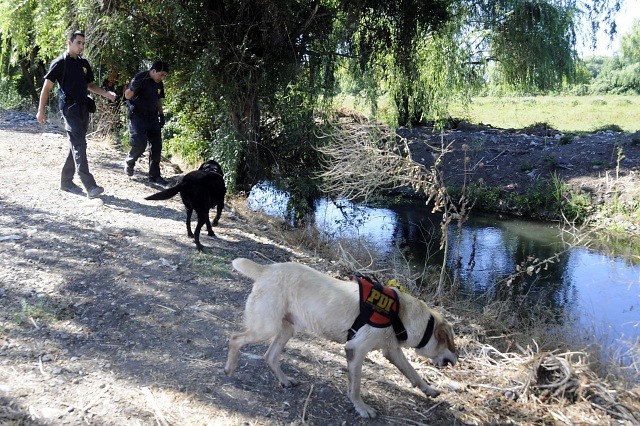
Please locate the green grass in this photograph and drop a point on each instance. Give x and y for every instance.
(210, 265)
(564, 113)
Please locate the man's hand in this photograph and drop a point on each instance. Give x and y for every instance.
(41, 117)
(93, 87)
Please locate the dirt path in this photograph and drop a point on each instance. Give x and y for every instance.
(109, 316)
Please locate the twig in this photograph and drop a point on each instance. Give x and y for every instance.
(475, 166)
(40, 366)
(166, 307)
(306, 403)
(496, 157)
(219, 318)
(264, 256)
(157, 412)
(94, 400)
(406, 421)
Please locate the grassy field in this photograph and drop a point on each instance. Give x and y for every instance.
(564, 113)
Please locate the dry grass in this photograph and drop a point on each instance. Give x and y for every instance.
(556, 388)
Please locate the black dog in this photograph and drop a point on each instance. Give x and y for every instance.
(200, 190)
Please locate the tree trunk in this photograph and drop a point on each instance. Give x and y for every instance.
(245, 118)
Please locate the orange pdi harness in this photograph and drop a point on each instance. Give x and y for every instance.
(379, 307)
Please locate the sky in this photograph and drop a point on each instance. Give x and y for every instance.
(629, 12)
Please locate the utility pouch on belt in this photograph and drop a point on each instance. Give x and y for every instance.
(62, 98)
(130, 108)
(91, 105)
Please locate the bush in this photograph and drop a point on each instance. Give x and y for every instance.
(9, 96)
(609, 128)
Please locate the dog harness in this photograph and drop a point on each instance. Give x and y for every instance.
(380, 307)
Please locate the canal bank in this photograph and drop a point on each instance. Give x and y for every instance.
(538, 172)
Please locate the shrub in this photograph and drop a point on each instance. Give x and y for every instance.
(9, 96)
(609, 128)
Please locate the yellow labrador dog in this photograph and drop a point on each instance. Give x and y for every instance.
(289, 297)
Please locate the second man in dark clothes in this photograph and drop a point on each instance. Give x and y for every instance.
(144, 106)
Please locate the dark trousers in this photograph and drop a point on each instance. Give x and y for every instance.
(145, 129)
(76, 123)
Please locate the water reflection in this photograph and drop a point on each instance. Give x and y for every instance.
(600, 293)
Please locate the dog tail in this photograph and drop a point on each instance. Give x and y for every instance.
(165, 194)
(248, 268)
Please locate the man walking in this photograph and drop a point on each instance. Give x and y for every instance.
(146, 118)
(75, 77)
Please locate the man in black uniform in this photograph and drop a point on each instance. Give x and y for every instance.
(75, 77)
(144, 103)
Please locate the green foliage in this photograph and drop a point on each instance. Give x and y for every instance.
(618, 78)
(9, 96)
(289, 147)
(620, 74)
(566, 139)
(550, 161)
(630, 43)
(488, 199)
(578, 207)
(43, 309)
(196, 131)
(526, 166)
(547, 199)
(608, 128)
(546, 29)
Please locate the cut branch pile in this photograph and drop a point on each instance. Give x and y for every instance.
(560, 388)
(360, 160)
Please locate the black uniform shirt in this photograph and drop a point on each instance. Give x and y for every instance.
(146, 93)
(72, 76)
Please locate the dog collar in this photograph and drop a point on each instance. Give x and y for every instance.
(427, 333)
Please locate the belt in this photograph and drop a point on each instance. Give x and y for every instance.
(144, 114)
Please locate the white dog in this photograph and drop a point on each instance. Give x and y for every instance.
(290, 297)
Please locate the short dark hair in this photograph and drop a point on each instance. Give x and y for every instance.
(74, 34)
(160, 66)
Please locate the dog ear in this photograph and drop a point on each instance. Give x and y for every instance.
(445, 334)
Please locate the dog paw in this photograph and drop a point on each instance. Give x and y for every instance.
(365, 411)
(288, 383)
(211, 234)
(428, 390)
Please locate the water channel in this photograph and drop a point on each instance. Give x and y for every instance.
(594, 292)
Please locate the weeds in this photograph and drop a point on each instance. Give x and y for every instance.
(525, 166)
(43, 309)
(210, 265)
(551, 162)
(566, 139)
(9, 96)
(609, 128)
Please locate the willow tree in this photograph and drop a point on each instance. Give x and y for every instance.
(533, 44)
(31, 33)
